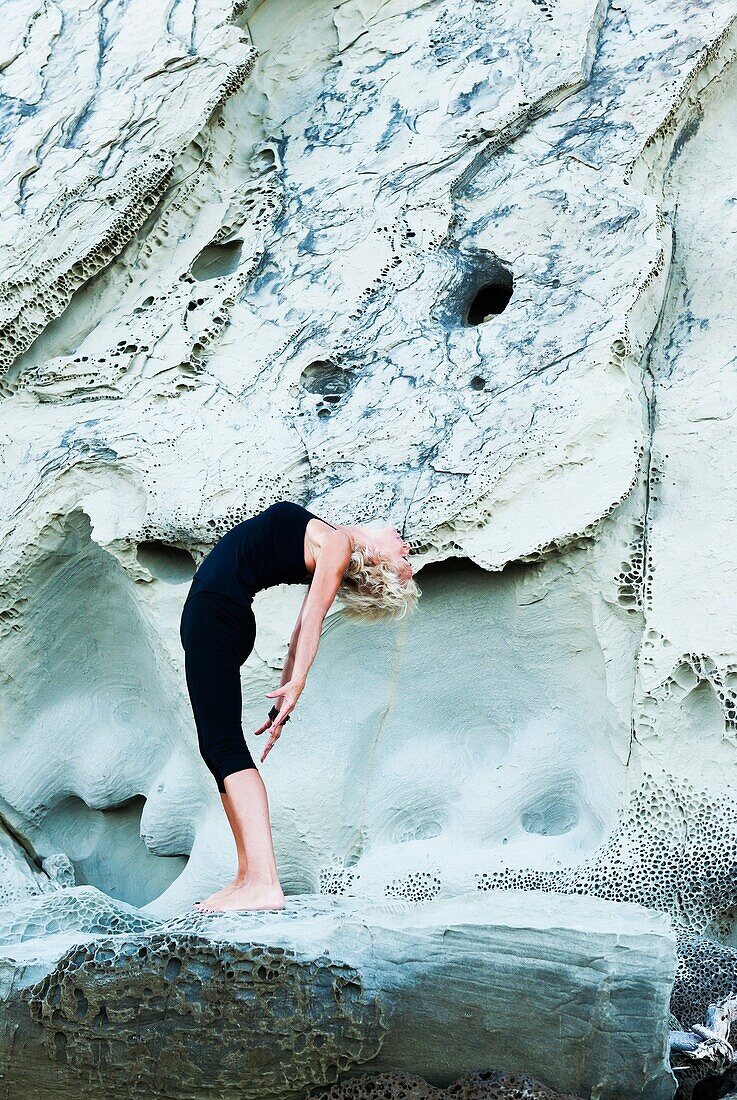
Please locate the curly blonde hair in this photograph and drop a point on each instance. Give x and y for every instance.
(372, 590)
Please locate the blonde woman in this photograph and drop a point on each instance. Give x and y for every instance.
(367, 568)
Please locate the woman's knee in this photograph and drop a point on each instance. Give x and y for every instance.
(229, 753)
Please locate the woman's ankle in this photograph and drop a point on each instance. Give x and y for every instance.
(263, 879)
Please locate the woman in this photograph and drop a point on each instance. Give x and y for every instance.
(368, 569)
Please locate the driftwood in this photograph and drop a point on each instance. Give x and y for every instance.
(709, 1044)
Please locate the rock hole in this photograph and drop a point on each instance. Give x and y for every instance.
(491, 297)
(326, 379)
(263, 160)
(217, 260)
(165, 562)
(60, 1046)
(173, 968)
(82, 1003)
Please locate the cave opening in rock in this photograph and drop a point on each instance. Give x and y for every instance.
(491, 297)
(107, 851)
(94, 725)
(165, 562)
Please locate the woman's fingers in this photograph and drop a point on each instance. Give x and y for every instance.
(272, 741)
(287, 694)
(276, 728)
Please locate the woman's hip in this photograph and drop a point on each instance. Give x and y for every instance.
(213, 622)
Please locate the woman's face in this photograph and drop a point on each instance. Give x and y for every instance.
(390, 542)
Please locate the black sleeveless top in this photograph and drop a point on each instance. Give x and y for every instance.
(264, 550)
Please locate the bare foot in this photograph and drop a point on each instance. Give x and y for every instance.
(249, 895)
(220, 893)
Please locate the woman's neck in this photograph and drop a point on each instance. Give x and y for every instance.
(356, 534)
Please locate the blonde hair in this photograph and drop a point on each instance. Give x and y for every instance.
(372, 590)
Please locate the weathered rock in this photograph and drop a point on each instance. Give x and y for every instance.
(266, 1004)
(464, 270)
(487, 1085)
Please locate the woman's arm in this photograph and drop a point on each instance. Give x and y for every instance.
(329, 572)
(289, 659)
(332, 563)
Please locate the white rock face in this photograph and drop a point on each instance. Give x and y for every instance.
(464, 271)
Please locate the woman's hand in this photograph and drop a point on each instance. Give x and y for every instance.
(288, 693)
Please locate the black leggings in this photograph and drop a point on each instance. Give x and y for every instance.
(217, 635)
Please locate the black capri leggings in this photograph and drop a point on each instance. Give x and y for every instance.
(217, 635)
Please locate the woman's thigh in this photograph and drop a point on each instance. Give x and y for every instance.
(217, 638)
(214, 685)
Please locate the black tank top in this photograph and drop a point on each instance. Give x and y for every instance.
(264, 550)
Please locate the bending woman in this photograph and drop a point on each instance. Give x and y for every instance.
(367, 568)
